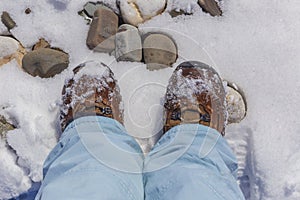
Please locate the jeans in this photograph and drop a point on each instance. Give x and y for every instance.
(96, 159)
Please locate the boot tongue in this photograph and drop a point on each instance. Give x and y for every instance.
(190, 114)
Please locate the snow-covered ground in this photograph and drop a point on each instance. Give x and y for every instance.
(254, 44)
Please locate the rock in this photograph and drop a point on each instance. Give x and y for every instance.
(176, 13)
(236, 105)
(101, 36)
(45, 62)
(85, 16)
(4, 126)
(128, 44)
(211, 7)
(160, 51)
(7, 20)
(27, 11)
(10, 49)
(135, 12)
(42, 43)
(91, 7)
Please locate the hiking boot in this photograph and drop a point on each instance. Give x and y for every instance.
(195, 94)
(92, 91)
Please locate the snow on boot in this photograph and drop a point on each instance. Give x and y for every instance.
(195, 94)
(92, 91)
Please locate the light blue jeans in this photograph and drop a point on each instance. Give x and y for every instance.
(96, 159)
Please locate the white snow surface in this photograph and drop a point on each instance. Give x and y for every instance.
(254, 44)
(15, 179)
(8, 46)
(148, 8)
(137, 11)
(94, 69)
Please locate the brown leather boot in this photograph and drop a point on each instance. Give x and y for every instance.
(195, 94)
(92, 91)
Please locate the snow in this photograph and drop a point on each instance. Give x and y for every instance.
(8, 46)
(137, 11)
(148, 8)
(89, 70)
(15, 179)
(92, 68)
(189, 6)
(254, 44)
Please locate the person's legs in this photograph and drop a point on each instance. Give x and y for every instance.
(191, 162)
(95, 157)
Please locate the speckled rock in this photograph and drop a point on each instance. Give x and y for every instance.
(135, 12)
(4, 126)
(101, 35)
(236, 105)
(11, 49)
(211, 7)
(160, 51)
(7, 20)
(45, 62)
(128, 44)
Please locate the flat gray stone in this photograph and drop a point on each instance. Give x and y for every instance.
(4, 126)
(128, 44)
(101, 35)
(160, 51)
(45, 62)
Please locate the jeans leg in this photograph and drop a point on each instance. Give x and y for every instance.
(191, 161)
(94, 159)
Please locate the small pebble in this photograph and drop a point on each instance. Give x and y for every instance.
(27, 11)
(7, 20)
(42, 43)
(176, 13)
(4, 127)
